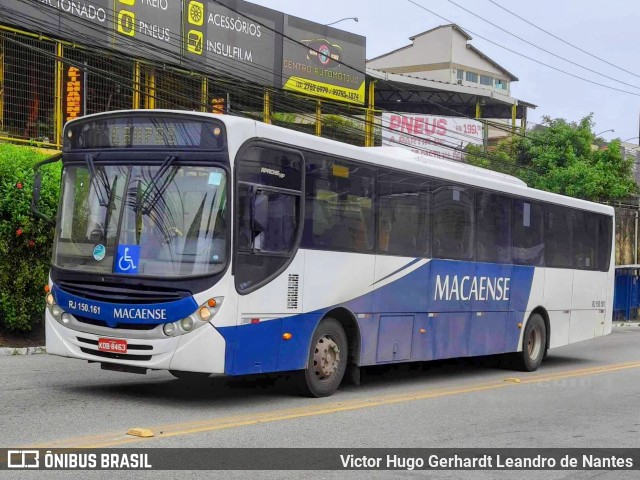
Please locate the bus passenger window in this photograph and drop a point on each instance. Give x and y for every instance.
(528, 241)
(338, 206)
(493, 228)
(558, 236)
(585, 239)
(453, 222)
(404, 214)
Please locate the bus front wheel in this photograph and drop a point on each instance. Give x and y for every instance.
(327, 360)
(534, 345)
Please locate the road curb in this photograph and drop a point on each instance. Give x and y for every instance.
(9, 351)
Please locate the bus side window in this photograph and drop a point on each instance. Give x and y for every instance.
(338, 205)
(585, 239)
(404, 214)
(528, 228)
(558, 236)
(453, 222)
(493, 228)
(605, 232)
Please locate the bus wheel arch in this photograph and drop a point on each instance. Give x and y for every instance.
(350, 325)
(534, 345)
(545, 316)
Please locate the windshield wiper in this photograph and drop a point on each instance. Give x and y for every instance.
(93, 177)
(146, 201)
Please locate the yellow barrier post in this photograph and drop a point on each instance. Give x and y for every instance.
(318, 118)
(204, 95)
(136, 85)
(266, 114)
(478, 109)
(150, 97)
(369, 130)
(523, 123)
(58, 120)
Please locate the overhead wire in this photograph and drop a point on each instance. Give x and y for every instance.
(563, 40)
(541, 48)
(526, 56)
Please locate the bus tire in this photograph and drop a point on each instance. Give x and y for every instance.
(327, 360)
(534, 345)
(191, 377)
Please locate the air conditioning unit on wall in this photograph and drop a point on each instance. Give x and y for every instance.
(459, 82)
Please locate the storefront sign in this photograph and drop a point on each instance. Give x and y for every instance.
(74, 91)
(323, 61)
(429, 135)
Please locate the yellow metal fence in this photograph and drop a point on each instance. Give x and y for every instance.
(45, 82)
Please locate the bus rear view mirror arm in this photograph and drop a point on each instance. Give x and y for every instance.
(37, 186)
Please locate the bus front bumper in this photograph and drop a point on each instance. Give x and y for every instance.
(202, 350)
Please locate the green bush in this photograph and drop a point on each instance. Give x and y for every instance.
(25, 241)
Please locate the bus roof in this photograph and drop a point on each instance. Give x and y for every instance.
(392, 157)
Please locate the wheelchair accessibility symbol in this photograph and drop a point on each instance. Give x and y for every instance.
(128, 259)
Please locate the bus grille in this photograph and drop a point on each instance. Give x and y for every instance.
(122, 326)
(115, 293)
(116, 356)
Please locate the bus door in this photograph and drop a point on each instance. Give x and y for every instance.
(267, 271)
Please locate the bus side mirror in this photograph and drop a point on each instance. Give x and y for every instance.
(37, 187)
(259, 212)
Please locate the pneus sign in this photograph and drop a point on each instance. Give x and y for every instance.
(155, 22)
(325, 62)
(244, 45)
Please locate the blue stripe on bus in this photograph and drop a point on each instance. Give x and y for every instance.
(412, 322)
(114, 313)
(413, 262)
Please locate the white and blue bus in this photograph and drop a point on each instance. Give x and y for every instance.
(208, 244)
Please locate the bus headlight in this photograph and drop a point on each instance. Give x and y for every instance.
(186, 324)
(56, 311)
(66, 318)
(194, 321)
(50, 299)
(169, 329)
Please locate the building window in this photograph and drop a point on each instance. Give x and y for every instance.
(484, 80)
(501, 84)
(472, 77)
(460, 74)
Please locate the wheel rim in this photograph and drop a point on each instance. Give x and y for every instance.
(535, 342)
(326, 358)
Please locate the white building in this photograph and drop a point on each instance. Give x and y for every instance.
(444, 54)
(441, 73)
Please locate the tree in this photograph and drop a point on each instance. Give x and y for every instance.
(562, 158)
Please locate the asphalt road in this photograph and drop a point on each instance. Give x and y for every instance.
(584, 395)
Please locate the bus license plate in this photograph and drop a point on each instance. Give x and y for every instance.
(112, 345)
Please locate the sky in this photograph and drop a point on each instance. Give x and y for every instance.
(608, 30)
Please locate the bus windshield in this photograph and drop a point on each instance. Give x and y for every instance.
(163, 221)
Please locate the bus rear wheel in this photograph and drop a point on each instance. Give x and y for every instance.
(534, 345)
(327, 360)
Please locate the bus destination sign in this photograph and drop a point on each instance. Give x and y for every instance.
(143, 132)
